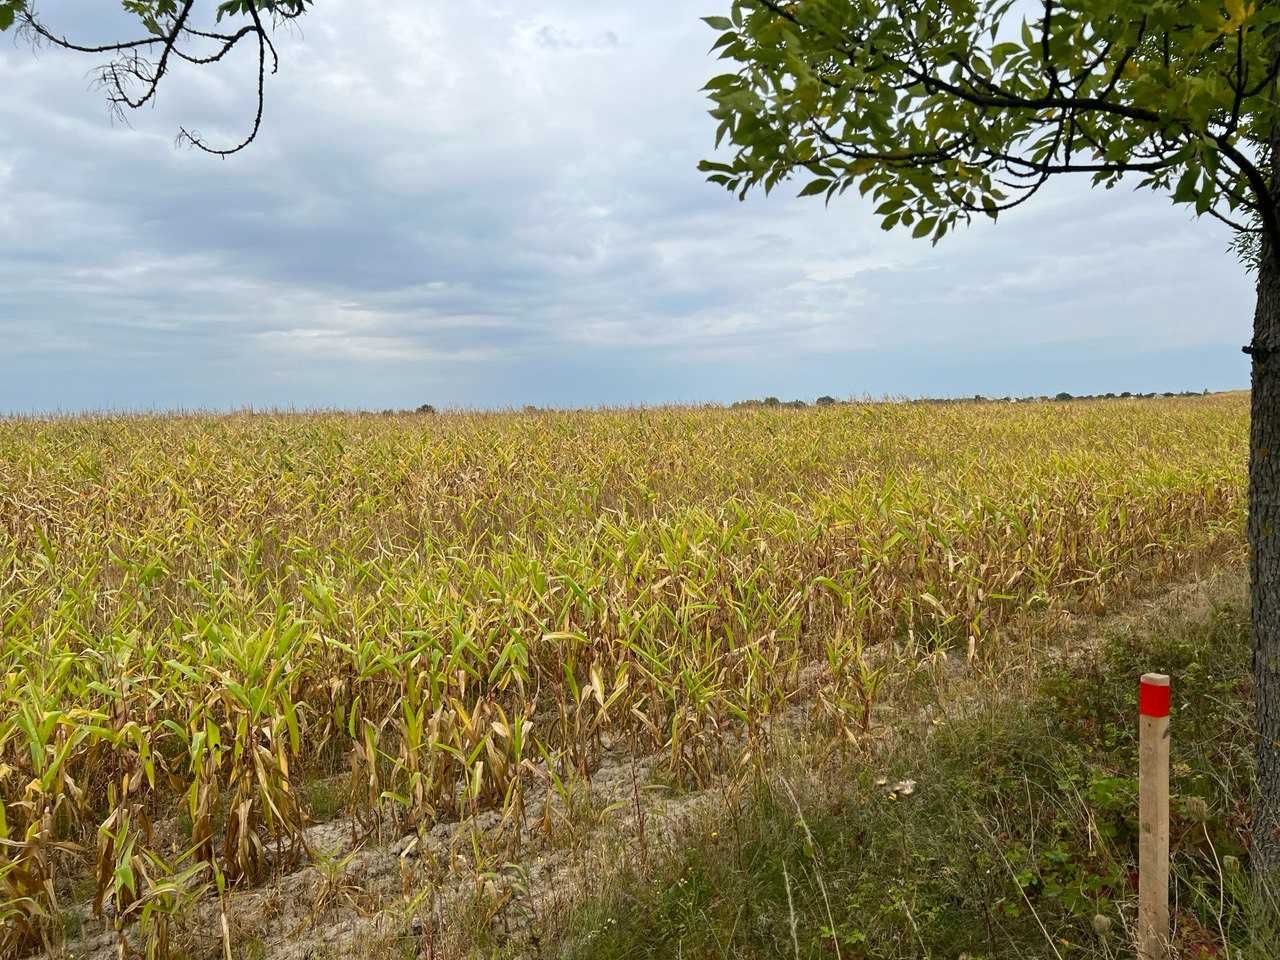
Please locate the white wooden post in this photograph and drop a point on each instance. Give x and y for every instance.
(1153, 817)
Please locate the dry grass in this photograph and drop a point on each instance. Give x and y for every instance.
(201, 617)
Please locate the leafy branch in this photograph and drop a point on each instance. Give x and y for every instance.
(943, 109)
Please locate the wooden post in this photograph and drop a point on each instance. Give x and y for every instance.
(1153, 817)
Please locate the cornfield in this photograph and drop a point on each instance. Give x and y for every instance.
(199, 615)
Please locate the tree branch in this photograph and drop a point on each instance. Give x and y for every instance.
(263, 45)
(131, 67)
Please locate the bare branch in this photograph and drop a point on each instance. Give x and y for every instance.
(131, 70)
(263, 45)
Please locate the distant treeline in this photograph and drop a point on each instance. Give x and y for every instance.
(826, 401)
(829, 401)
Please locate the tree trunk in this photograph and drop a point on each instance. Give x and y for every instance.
(1264, 560)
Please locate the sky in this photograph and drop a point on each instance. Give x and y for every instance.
(497, 203)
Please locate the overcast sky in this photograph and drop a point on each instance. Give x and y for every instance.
(497, 203)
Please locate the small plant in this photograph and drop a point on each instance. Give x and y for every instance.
(334, 886)
(325, 800)
(853, 684)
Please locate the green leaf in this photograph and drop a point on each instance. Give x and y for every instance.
(722, 81)
(718, 23)
(924, 227)
(1186, 189)
(8, 13)
(1028, 39)
(1002, 52)
(817, 186)
(1204, 200)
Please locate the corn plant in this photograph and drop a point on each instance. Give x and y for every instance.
(199, 614)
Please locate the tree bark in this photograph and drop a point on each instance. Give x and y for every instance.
(1264, 560)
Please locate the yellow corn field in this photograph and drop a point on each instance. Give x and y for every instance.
(200, 614)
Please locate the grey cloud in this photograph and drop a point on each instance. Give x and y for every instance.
(489, 202)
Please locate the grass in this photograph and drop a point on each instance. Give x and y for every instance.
(326, 799)
(1017, 841)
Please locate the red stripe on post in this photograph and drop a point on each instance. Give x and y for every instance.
(1154, 699)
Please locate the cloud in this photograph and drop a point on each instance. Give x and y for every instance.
(493, 203)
